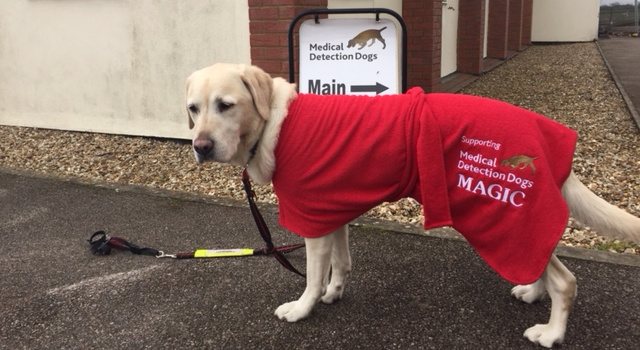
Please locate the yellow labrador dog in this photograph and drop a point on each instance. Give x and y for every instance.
(456, 170)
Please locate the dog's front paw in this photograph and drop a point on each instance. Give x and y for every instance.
(545, 335)
(293, 311)
(529, 293)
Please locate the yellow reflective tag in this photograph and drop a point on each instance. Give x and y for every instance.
(222, 253)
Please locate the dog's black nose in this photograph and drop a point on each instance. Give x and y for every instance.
(202, 146)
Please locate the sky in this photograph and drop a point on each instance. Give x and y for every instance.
(621, 2)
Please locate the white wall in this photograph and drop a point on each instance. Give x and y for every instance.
(565, 20)
(115, 66)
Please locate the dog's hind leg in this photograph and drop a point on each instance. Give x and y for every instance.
(319, 252)
(561, 286)
(340, 265)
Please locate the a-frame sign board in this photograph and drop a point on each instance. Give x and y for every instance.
(349, 55)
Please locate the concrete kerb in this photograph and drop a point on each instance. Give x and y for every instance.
(385, 225)
(630, 106)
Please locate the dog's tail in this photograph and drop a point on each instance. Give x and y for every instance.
(595, 212)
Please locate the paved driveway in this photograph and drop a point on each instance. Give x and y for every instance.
(406, 292)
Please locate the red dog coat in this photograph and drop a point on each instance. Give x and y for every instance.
(489, 169)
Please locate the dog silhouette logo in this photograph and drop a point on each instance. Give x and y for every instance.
(520, 162)
(366, 36)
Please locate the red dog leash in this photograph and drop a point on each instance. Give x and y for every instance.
(102, 244)
(270, 249)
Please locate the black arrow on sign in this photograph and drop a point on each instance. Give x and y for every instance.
(378, 88)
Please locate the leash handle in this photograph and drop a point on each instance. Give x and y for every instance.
(102, 244)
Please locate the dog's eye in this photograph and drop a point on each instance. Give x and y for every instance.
(223, 106)
(193, 109)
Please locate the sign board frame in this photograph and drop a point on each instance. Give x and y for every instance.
(377, 11)
(348, 56)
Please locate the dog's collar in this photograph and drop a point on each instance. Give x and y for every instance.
(253, 150)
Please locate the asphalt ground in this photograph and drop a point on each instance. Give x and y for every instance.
(406, 290)
(622, 57)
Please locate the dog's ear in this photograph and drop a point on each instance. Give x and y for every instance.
(260, 86)
(186, 95)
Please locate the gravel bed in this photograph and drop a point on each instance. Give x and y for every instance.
(567, 82)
